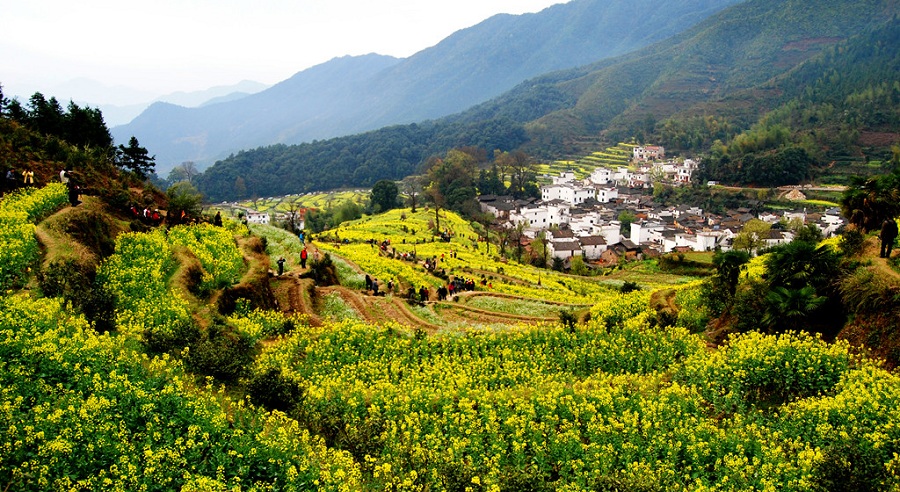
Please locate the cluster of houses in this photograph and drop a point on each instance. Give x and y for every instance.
(581, 217)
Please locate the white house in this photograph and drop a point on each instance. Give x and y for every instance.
(582, 223)
(647, 232)
(607, 194)
(611, 232)
(601, 176)
(564, 178)
(564, 248)
(257, 217)
(648, 153)
(569, 193)
(592, 246)
(543, 216)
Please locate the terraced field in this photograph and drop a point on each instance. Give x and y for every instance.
(505, 292)
(612, 157)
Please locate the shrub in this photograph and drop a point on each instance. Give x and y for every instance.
(183, 334)
(852, 241)
(221, 354)
(274, 391)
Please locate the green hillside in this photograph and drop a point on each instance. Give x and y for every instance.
(817, 67)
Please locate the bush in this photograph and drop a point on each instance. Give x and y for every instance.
(66, 278)
(323, 272)
(274, 391)
(852, 241)
(99, 307)
(763, 370)
(568, 319)
(629, 286)
(221, 354)
(184, 334)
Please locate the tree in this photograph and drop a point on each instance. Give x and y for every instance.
(799, 263)
(135, 158)
(522, 173)
(292, 218)
(451, 183)
(540, 250)
(240, 188)
(728, 268)
(752, 236)
(183, 197)
(384, 196)
(186, 171)
(519, 232)
(788, 308)
(412, 186)
(85, 127)
(45, 116)
(577, 266)
(489, 182)
(626, 218)
(869, 201)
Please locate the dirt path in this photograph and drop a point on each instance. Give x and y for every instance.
(492, 316)
(380, 309)
(290, 291)
(872, 250)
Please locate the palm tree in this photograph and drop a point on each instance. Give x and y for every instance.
(788, 308)
(868, 201)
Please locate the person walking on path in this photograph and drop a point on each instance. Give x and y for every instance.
(10, 180)
(280, 266)
(303, 256)
(888, 235)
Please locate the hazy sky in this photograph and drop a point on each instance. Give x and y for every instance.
(183, 45)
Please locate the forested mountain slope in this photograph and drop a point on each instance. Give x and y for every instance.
(354, 94)
(709, 83)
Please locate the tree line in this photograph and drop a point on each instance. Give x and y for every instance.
(353, 161)
(78, 126)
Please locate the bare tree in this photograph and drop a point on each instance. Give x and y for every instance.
(412, 187)
(293, 215)
(186, 171)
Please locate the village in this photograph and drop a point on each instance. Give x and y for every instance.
(582, 217)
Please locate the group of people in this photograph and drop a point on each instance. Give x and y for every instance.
(373, 285)
(422, 296)
(14, 179)
(147, 215)
(304, 255)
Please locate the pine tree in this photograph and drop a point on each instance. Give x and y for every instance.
(136, 159)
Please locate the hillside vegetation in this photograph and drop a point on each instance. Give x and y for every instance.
(376, 394)
(822, 74)
(617, 401)
(171, 353)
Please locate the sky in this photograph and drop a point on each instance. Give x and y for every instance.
(163, 46)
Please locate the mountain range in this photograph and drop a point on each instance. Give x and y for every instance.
(354, 94)
(727, 71)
